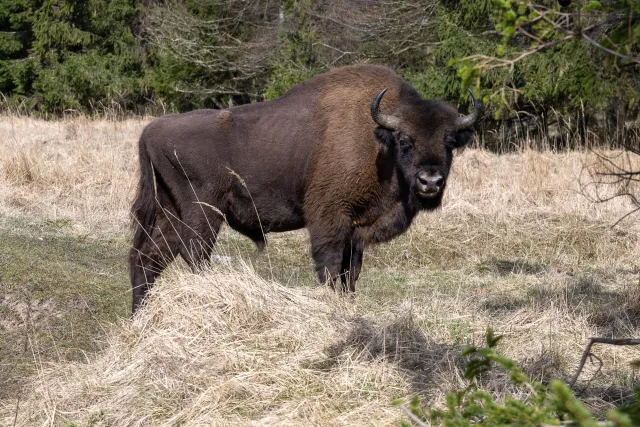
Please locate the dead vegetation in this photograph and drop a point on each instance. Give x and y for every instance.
(77, 168)
(224, 349)
(517, 245)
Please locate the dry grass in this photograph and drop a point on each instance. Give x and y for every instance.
(224, 349)
(515, 246)
(77, 168)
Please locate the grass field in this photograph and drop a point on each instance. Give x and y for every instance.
(515, 246)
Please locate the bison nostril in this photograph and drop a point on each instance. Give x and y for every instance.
(431, 180)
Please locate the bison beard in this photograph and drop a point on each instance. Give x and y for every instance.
(352, 155)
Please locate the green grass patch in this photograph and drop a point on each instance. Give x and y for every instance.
(58, 292)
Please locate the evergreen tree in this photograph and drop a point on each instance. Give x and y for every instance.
(70, 54)
(93, 54)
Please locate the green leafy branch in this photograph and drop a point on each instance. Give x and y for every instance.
(544, 405)
(546, 27)
(527, 29)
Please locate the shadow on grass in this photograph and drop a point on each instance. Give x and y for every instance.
(420, 358)
(428, 365)
(505, 267)
(601, 399)
(614, 312)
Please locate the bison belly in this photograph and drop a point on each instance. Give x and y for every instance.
(258, 209)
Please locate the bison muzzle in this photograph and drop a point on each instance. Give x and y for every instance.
(352, 155)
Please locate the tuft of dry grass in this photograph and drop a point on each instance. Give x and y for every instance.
(77, 168)
(230, 348)
(516, 245)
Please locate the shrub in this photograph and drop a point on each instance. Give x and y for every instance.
(552, 404)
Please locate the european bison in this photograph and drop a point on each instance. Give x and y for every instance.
(352, 155)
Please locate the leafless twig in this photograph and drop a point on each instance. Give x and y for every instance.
(412, 416)
(614, 176)
(587, 352)
(612, 52)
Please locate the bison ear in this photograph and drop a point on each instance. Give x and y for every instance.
(463, 137)
(384, 137)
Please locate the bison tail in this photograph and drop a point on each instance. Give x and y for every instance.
(144, 208)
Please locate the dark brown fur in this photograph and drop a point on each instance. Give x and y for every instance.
(313, 158)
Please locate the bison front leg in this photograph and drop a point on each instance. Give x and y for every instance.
(328, 262)
(351, 265)
(327, 252)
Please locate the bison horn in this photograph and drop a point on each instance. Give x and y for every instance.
(465, 122)
(383, 120)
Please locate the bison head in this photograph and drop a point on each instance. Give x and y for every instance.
(420, 136)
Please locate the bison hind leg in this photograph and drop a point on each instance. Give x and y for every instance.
(198, 242)
(258, 238)
(196, 252)
(260, 243)
(150, 255)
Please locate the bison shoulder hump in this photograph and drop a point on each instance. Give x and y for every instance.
(224, 119)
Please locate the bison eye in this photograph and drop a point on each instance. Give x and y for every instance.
(405, 143)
